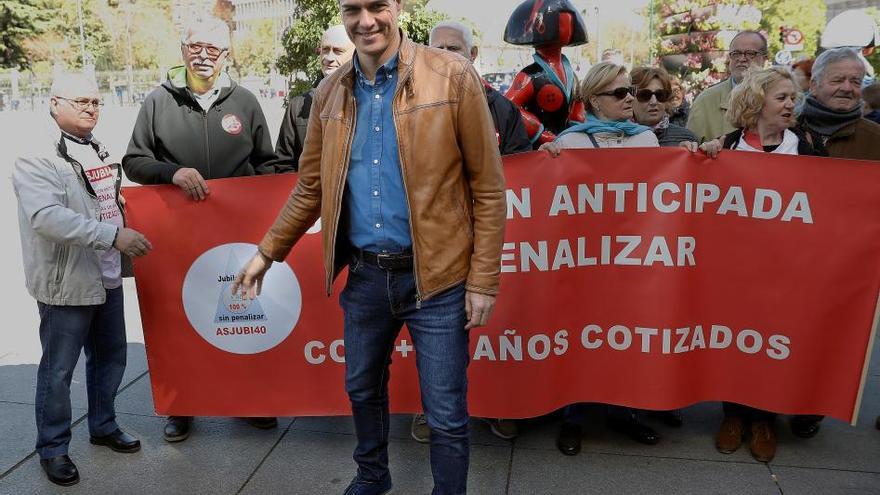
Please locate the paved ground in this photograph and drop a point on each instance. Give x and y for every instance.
(313, 455)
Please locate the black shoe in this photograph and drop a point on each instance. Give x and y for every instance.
(60, 470)
(177, 428)
(805, 426)
(568, 440)
(669, 418)
(262, 423)
(631, 427)
(118, 441)
(358, 487)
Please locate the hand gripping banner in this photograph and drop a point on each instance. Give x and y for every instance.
(647, 278)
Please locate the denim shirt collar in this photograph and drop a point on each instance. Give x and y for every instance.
(383, 73)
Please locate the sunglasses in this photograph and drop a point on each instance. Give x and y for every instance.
(619, 93)
(644, 95)
(196, 48)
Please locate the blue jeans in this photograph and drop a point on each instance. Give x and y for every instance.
(64, 332)
(376, 303)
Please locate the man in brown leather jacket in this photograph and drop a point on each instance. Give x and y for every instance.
(401, 163)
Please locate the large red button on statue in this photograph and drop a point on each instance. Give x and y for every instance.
(550, 98)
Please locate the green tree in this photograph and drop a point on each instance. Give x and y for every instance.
(111, 28)
(623, 36)
(20, 21)
(300, 42)
(98, 38)
(807, 16)
(254, 52)
(311, 17)
(147, 25)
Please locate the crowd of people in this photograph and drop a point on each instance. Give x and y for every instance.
(389, 126)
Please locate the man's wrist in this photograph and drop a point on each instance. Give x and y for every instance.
(266, 258)
(170, 172)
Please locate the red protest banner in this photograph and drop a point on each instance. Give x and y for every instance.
(647, 278)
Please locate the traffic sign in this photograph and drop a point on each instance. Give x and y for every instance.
(794, 37)
(793, 40)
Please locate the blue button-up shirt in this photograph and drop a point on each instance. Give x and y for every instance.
(376, 211)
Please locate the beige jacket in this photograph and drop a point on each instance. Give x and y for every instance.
(60, 227)
(708, 116)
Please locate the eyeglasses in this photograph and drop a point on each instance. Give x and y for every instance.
(83, 104)
(196, 48)
(749, 54)
(644, 95)
(619, 93)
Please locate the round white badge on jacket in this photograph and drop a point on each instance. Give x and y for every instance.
(231, 124)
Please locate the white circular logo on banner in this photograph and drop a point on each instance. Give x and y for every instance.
(229, 322)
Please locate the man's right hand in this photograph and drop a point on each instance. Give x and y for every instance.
(192, 183)
(250, 278)
(132, 243)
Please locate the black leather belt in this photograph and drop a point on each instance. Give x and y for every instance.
(386, 261)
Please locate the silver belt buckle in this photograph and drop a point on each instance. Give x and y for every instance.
(380, 257)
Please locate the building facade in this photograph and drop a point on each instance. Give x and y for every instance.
(837, 6)
(248, 13)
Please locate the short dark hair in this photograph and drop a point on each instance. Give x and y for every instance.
(642, 77)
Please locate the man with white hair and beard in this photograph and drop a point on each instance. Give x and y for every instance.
(75, 247)
(199, 125)
(335, 51)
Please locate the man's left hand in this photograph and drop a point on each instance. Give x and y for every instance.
(478, 308)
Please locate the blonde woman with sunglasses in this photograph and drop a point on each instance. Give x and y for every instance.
(608, 96)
